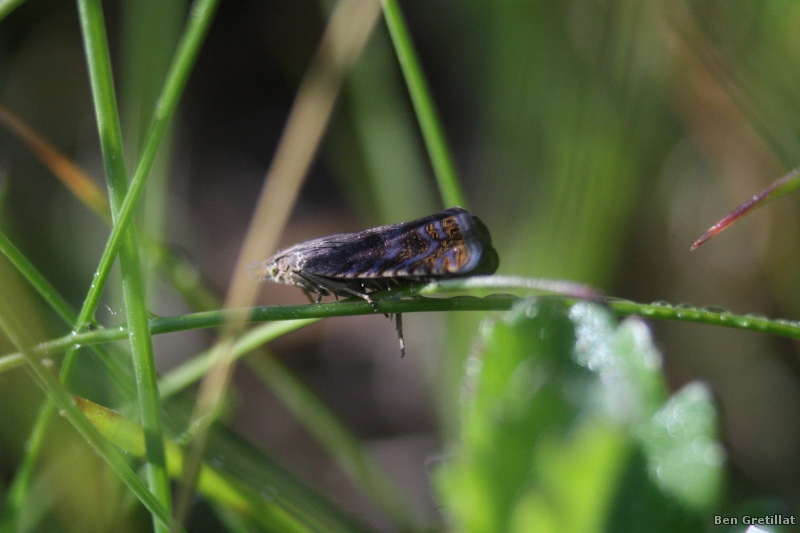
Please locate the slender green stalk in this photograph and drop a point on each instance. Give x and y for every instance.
(493, 302)
(441, 158)
(200, 18)
(211, 319)
(99, 63)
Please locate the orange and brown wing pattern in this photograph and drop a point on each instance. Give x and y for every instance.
(448, 243)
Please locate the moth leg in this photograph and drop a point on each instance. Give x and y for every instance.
(311, 298)
(319, 298)
(364, 295)
(398, 321)
(337, 287)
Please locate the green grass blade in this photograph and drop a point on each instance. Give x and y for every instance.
(101, 79)
(441, 158)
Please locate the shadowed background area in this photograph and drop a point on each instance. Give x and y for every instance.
(596, 139)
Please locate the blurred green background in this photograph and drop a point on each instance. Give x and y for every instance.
(596, 140)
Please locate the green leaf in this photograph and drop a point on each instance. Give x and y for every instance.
(566, 427)
(683, 454)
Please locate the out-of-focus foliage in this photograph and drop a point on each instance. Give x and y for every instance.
(566, 428)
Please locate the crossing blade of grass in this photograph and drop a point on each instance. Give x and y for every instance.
(84, 188)
(197, 26)
(16, 331)
(107, 115)
(429, 122)
(118, 373)
(201, 14)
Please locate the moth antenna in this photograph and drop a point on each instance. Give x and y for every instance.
(398, 321)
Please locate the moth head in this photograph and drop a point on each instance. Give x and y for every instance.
(265, 270)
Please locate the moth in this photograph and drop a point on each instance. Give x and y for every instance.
(447, 244)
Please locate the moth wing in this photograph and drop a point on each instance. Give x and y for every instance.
(348, 255)
(448, 243)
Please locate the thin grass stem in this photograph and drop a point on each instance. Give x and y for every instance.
(107, 115)
(429, 122)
